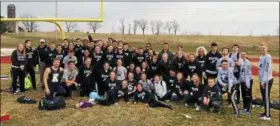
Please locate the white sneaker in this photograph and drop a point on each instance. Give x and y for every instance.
(186, 105)
(197, 108)
(265, 118)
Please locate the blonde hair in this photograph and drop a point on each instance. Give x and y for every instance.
(200, 47)
(23, 48)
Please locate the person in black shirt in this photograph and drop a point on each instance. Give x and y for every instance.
(211, 97)
(31, 58)
(170, 79)
(86, 78)
(139, 58)
(151, 54)
(211, 60)
(19, 62)
(71, 47)
(148, 48)
(110, 56)
(51, 54)
(153, 66)
(126, 91)
(164, 65)
(179, 88)
(137, 74)
(104, 47)
(59, 54)
(131, 67)
(42, 53)
(131, 83)
(201, 58)
(127, 55)
(52, 80)
(101, 77)
(78, 47)
(145, 69)
(179, 62)
(81, 59)
(97, 57)
(112, 86)
(150, 99)
(192, 67)
(65, 45)
(119, 55)
(194, 92)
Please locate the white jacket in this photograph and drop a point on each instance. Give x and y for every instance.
(160, 88)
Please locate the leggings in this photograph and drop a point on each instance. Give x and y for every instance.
(233, 93)
(154, 102)
(247, 96)
(265, 91)
(18, 73)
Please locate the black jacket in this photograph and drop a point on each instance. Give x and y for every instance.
(86, 77)
(31, 57)
(194, 90)
(18, 59)
(42, 53)
(211, 61)
(214, 93)
(179, 64)
(192, 68)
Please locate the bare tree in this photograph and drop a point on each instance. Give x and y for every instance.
(122, 25)
(29, 26)
(135, 26)
(158, 26)
(129, 29)
(168, 26)
(153, 27)
(143, 25)
(94, 26)
(70, 26)
(175, 26)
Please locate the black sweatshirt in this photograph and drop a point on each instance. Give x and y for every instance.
(127, 57)
(110, 58)
(170, 81)
(214, 93)
(182, 85)
(31, 57)
(192, 68)
(102, 76)
(96, 61)
(18, 59)
(179, 64)
(154, 68)
(131, 85)
(60, 56)
(42, 53)
(112, 84)
(86, 76)
(78, 50)
(138, 59)
(201, 61)
(194, 90)
(164, 68)
(142, 96)
(210, 63)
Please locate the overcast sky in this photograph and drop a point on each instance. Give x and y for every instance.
(227, 18)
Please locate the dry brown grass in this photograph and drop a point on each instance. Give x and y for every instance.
(190, 42)
(123, 114)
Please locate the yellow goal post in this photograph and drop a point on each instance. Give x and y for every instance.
(56, 20)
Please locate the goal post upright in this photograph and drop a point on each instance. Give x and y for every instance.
(56, 20)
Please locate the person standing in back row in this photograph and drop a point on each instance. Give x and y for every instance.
(211, 61)
(266, 80)
(42, 53)
(18, 68)
(31, 58)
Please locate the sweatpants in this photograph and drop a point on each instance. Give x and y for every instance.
(86, 89)
(55, 88)
(266, 96)
(225, 92)
(167, 96)
(191, 99)
(239, 92)
(18, 73)
(31, 72)
(212, 104)
(233, 93)
(127, 96)
(42, 67)
(154, 102)
(100, 88)
(247, 96)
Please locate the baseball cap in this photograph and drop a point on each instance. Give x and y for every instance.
(42, 40)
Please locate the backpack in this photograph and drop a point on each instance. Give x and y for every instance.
(26, 100)
(53, 104)
(27, 83)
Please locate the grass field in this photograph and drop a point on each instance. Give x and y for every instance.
(136, 115)
(190, 42)
(123, 114)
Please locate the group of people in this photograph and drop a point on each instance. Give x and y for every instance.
(115, 70)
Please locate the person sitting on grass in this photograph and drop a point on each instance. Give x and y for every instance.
(86, 78)
(52, 80)
(161, 89)
(179, 88)
(195, 92)
(112, 87)
(148, 98)
(146, 83)
(124, 92)
(69, 78)
(211, 98)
